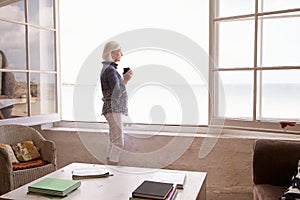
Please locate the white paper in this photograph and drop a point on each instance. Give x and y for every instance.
(89, 172)
(177, 178)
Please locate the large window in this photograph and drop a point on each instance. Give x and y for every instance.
(164, 42)
(256, 64)
(28, 71)
(252, 47)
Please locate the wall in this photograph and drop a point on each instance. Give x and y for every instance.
(228, 164)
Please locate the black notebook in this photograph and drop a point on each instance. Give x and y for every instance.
(153, 190)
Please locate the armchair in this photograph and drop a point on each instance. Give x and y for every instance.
(274, 163)
(11, 179)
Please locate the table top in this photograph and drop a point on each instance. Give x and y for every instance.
(116, 187)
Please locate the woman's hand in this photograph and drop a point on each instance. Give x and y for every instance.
(127, 76)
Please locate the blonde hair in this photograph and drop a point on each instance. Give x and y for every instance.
(108, 48)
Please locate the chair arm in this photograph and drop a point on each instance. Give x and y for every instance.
(6, 179)
(48, 151)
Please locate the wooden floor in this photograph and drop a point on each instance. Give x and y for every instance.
(223, 196)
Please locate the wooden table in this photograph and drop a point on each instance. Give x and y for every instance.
(116, 187)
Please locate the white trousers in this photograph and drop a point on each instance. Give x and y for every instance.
(116, 136)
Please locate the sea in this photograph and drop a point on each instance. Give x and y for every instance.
(180, 104)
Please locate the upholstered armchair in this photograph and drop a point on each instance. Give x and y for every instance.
(274, 163)
(11, 178)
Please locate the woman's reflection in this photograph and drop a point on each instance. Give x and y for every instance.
(7, 87)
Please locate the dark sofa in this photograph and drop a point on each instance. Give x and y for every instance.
(274, 163)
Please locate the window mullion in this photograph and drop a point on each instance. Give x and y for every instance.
(212, 51)
(27, 58)
(259, 93)
(255, 62)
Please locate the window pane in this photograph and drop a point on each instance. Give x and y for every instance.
(40, 12)
(13, 95)
(235, 7)
(161, 101)
(280, 95)
(178, 20)
(281, 42)
(43, 94)
(67, 92)
(12, 43)
(158, 94)
(236, 44)
(272, 5)
(13, 11)
(41, 49)
(235, 94)
(157, 104)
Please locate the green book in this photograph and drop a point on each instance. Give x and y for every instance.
(54, 186)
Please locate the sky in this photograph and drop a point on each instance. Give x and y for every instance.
(81, 33)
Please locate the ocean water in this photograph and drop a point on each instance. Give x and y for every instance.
(148, 104)
(274, 101)
(183, 104)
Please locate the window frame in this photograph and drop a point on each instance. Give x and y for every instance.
(39, 118)
(238, 123)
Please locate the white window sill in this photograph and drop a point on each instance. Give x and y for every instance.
(184, 132)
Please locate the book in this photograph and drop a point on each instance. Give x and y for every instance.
(153, 190)
(90, 173)
(177, 178)
(54, 186)
(171, 195)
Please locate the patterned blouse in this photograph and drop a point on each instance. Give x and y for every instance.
(114, 92)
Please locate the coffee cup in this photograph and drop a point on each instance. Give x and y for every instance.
(126, 69)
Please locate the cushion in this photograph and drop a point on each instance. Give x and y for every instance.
(293, 192)
(29, 164)
(10, 152)
(25, 151)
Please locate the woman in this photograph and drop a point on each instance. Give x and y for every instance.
(114, 99)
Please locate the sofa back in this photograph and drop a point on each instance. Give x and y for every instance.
(275, 162)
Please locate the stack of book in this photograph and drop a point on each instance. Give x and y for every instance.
(153, 190)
